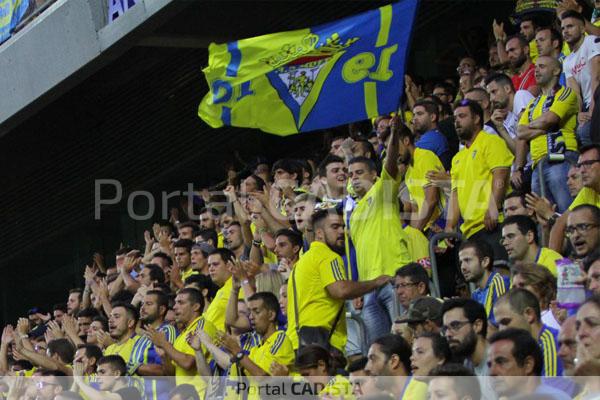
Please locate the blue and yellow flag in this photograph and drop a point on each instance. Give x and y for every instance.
(313, 78)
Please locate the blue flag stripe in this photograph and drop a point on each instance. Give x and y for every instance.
(236, 58)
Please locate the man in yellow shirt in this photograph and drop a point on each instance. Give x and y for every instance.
(589, 166)
(520, 239)
(479, 177)
(121, 326)
(183, 263)
(375, 229)
(548, 125)
(218, 269)
(318, 286)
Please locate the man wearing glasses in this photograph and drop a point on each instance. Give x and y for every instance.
(583, 230)
(589, 167)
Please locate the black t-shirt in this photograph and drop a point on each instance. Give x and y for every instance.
(129, 393)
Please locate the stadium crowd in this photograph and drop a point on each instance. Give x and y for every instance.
(320, 270)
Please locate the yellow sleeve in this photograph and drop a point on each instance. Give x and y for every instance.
(566, 104)
(332, 270)
(524, 120)
(432, 163)
(454, 171)
(497, 154)
(279, 351)
(586, 196)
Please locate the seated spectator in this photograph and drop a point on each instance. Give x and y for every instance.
(520, 239)
(520, 309)
(591, 266)
(219, 263)
(574, 181)
(453, 381)
(363, 385)
(481, 97)
(411, 282)
(187, 230)
(516, 363)
(317, 366)
(476, 264)
(515, 204)
(429, 351)
(88, 356)
(424, 315)
(111, 382)
(121, 325)
(583, 230)
(567, 352)
(184, 392)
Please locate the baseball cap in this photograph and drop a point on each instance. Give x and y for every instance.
(422, 309)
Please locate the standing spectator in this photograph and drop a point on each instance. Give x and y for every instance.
(520, 309)
(424, 315)
(318, 287)
(74, 301)
(515, 204)
(429, 350)
(549, 43)
(121, 326)
(517, 49)
(479, 179)
(516, 364)
(427, 136)
(453, 381)
(333, 176)
(582, 69)
(548, 125)
(476, 264)
(376, 232)
(219, 263)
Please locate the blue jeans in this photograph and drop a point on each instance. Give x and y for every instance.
(584, 134)
(379, 311)
(555, 180)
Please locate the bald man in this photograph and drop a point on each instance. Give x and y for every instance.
(567, 342)
(548, 125)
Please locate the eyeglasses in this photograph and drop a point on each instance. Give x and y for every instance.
(580, 228)
(454, 326)
(586, 164)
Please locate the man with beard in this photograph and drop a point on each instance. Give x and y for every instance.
(548, 125)
(479, 176)
(318, 286)
(144, 360)
(476, 264)
(429, 199)
(121, 326)
(517, 50)
(375, 230)
(582, 69)
(427, 136)
(234, 240)
(550, 44)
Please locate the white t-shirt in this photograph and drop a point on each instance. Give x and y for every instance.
(522, 98)
(577, 66)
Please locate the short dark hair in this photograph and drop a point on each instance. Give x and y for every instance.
(515, 194)
(591, 208)
(102, 320)
(164, 256)
(474, 108)
(269, 300)
(208, 234)
(430, 107)
(395, 344)
(500, 79)
(520, 299)
(185, 243)
(156, 273)
(357, 365)
(290, 166)
(590, 259)
(416, 272)
(554, 35)
(63, 348)
(226, 254)
(524, 345)
(524, 225)
(185, 391)
(194, 296)
(60, 307)
(116, 362)
(439, 345)
(572, 14)
(593, 146)
(522, 41)
(91, 351)
(294, 237)
(162, 299)
(319, 215)
(363, 160)
(309, 356)
(203, 282)
(188, 224)
(130, 310)
(466, 383)
(329, 159)
(79, 291)
(482, 249)
(87, 313)
(472, 310)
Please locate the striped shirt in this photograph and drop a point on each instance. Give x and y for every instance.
(495, 287)
(548, 341)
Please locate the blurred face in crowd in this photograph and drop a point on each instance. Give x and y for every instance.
(466, 123)
(48, 387)
(150, 312)
(480, 98)
(422, 359)
(182, 257)
(459, 332)
(336, 146)
(442, 388)
(331, 232)
(316, 375)
(407, 290)
(283, 299)
(572, 30)
(574, 181)
(249, 185)
(547, 70)
(83, 325)
(260, 316)
(493, 58)
(81, 357)
(527, 29)
(472, 268)
(582, 232)
(515, 206)
(284, 248)
(95, 326)
(186, 232)
(590, 169)
(233, 237)
(73, 303)
(284, 179)
(218, 270)
(58, 315)
(361, 177)
(499, 95)
(442, 94)
(466, 66)
(145, 277)
(507, 317)
(518, 281)
(161, 262)
(302, 213)
(508, 375)
(336, 176)
(546, 46)
(567, 345)
(120, 326)
(515, 243)
(588, 331)
(106, 377)
(362, 384)
(198, 259)
(379, 363)
(207, 221)
(517, 53)
(185, 311)
(422, 121)
(594, 277)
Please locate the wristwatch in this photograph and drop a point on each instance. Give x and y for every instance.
(238, 357)
(553, 218)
